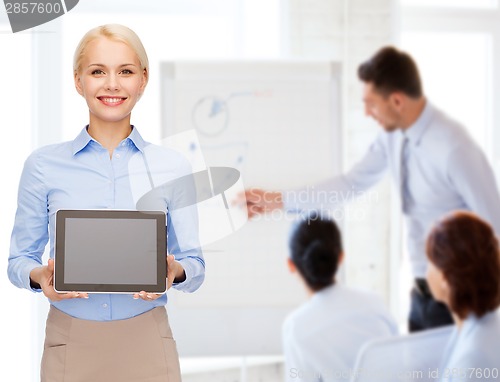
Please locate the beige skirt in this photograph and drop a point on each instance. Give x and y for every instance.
(138, 349)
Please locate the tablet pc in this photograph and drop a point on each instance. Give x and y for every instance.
(110, 251)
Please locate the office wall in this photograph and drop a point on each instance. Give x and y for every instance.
(350, 31)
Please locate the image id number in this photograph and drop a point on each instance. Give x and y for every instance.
(39, 8)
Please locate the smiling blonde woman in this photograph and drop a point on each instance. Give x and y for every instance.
(101, 337)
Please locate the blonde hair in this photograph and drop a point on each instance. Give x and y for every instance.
(115, 32)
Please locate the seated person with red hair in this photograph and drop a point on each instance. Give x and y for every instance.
(464, 274)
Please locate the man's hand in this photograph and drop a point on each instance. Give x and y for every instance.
(260, 201)
(44, 276)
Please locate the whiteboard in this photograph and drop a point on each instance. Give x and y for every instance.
(278, 123)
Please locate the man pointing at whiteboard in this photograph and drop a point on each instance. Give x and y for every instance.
(435, 165)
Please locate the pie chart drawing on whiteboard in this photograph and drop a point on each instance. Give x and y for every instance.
(210, 116)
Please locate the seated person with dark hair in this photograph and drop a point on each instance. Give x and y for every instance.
(323, 336)
(464, 273)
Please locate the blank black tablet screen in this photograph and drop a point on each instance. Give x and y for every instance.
(112, 251)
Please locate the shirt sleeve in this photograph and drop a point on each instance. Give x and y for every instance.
(474, 180)
(183, 243)
(334, 192)
(30, 232)
(183, 234)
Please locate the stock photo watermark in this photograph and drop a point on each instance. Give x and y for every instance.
(25, 15)
(310, 202)
(381, 375)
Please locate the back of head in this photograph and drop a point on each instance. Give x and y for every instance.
(391, 70)
(115, 32)
(315, 249)
(465, 249)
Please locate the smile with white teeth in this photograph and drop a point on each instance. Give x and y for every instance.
(111, 99)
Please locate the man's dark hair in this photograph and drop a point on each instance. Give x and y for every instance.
(391, 70)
